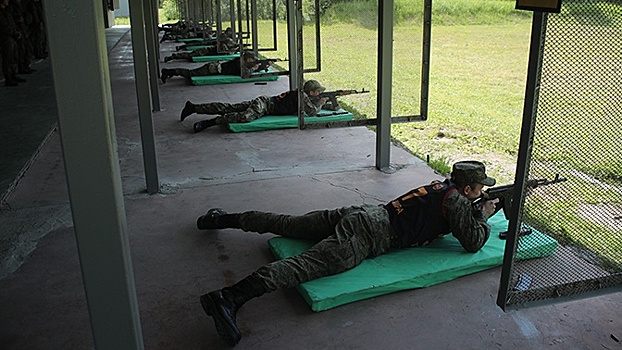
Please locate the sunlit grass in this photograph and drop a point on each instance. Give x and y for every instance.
(477, 84)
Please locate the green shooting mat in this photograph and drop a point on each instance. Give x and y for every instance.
(196, 47)
(270, 122)
(441, 261)
(189, 40)
(229, 79)
(213, 58)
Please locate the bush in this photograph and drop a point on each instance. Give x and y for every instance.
(169, 10)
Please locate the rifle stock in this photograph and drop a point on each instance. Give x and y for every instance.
(267, 62)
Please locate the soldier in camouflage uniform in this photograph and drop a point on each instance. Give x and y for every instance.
(231, 67)
(227, 34)
(227, 47)
(22, 19)
(247, 111)
(347, 236)
(9, 35)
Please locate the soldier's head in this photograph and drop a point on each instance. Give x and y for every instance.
(249, 58)
(313, 88)
(229, 43)
(470, 177)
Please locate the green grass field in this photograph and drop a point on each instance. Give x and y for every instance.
(477, 84)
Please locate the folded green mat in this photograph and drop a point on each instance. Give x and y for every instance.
(270, 122)
(213, 58)
(441, 261)
(228, 79)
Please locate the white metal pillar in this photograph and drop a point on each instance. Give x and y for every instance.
(385, 79)
(143, 92)
(85, 116)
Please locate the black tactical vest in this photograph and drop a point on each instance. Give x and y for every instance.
(418, 217)
(231, 67)
(285, 103)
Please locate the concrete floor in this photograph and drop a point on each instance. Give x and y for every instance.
(42, 299)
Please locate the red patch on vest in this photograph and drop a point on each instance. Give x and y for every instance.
(437, 187)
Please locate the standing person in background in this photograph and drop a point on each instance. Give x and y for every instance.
(9, 35)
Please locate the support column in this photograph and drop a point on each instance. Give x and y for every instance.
(86, 122)
(153, 50)
(143, 92)
(385, 78)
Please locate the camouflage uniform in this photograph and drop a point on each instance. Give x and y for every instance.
(247, 111)
(345, 237)
(204, 51)
(37, 30)
(8, 45)
(231, 67)
(349, 235)
(24, 47)
(210, 68)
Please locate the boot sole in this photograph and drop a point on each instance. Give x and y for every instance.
(230, 335)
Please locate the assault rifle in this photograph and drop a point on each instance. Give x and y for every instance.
(266, 63)
(332, 95)
(505, 193)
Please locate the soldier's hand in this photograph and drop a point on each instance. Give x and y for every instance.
(489, 207)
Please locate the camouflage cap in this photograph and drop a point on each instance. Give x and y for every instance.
(249, 54)
(311, 85)
(471, 171)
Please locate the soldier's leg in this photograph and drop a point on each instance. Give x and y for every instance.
(315, 225)
(211, 108)
(256, 108)
(210, 68)
(10, 62)
(358, 235)
(356, 238)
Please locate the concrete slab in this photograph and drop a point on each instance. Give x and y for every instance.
(43, 302)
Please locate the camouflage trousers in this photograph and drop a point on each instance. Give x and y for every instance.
(10, 57)
(210, 68)
(190, 54)
(242, 112)
(345, 237)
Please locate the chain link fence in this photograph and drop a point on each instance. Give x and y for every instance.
(577, 136)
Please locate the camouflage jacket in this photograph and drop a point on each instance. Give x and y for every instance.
(8, 27)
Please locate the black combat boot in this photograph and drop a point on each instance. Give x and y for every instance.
(217, 218)
(222, 305)
(204, 124)
(188, 110)
(165, 74)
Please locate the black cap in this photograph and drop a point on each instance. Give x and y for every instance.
(471, 171)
